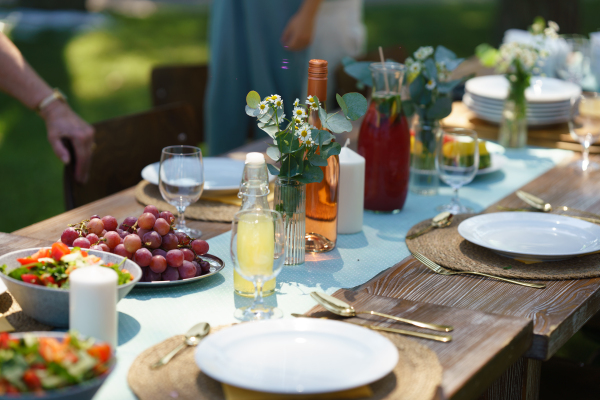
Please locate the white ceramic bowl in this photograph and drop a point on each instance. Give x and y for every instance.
(48, 305)
(84, 391)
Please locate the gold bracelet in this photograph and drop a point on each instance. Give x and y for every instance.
(56, 95)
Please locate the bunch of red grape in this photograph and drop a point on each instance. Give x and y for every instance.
(149, 240)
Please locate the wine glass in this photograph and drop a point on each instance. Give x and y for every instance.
(181, 180)
(258, 253)
(574, 64)
(457, 162)
(584, 126)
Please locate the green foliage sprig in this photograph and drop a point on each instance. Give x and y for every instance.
(299, 148)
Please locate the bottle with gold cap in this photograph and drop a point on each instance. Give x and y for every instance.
(321, 197)
(254, 190)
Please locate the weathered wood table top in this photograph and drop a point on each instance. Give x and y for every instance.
(557, 312)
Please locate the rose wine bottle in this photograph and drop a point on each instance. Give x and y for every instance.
(321, 197)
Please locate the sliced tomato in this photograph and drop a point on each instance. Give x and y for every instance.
(51, 349)
(101, 351)
(4, 340)
(25, 261)
(41, 253)
(84, 253)
(47, 279)
(31, 379)
(30, 278)
(59, 249)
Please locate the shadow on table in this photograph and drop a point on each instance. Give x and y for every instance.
(129, 327)
(269, 301)
(201, 285)
(318, 269)
(493, 177)
(353, 241)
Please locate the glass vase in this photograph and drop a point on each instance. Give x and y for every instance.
(290, 201)
(513, 127)
(424, 178)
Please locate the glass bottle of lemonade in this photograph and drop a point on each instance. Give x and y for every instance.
(254, 190)
(384, 141)
(321, 197)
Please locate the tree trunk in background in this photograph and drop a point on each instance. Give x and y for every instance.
(519, 14)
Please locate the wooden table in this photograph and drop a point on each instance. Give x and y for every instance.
(557, 312)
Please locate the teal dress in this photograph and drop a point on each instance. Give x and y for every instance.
(246, 55)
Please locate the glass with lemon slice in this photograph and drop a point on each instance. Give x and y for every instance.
(457, 162)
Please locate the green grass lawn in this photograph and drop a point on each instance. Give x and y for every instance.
(105, 74)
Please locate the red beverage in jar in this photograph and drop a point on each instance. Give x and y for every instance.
(384, 142)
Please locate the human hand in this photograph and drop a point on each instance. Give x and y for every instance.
(62, 122)
(298, 33)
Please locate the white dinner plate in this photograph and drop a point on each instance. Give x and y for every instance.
(221, 175)
(534, 107)
(541, 90)
(497, 162)
(532, 235)
(496, 116)
(536, 113)
(296, 356)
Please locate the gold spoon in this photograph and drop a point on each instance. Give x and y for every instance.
(431, 336)
(541, 205)
(192, 338)
(441, 220)
(344, 309)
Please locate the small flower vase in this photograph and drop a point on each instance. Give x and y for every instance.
(513, 127)
(424, 179)
(290, 201)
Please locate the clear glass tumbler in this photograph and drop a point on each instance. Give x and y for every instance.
(584, 126)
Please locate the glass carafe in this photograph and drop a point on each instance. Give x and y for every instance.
(384, 141)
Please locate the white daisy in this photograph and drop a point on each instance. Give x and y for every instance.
(296, 102)
(263, 106)
(273, 98)
(298, 121)
(415, 68)
(430, 84)
(278, 103)
(553, 25)
(312, 103)
(409, 61)
(309, 142)
(423, 52)
(299, 112)
(304, 132)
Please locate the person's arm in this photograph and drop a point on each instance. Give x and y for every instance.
(19, 80)
(298, 33)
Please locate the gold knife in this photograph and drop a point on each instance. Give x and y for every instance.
(430, 336)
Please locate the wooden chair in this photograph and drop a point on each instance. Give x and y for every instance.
(124, 146)
(181, 83)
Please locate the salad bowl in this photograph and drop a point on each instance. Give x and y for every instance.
(82, 391)
(50, 306)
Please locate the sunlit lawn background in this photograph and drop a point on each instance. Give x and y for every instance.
(105, 73)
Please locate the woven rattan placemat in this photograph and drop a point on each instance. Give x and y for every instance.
(416, 376)
(147, 193)
(11, 310)
(446, 247)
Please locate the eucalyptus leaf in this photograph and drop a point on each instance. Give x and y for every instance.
(270, 129)
(440, 109)
(347, 61)
(452, 64)
(342, 104)
(288, 143)
(416, 88)
(331, 149)
(253, 112)
(321, 137)
(317, 159)
(273, 170)
(442, 54)
(447, 87)
(252, 99)
(360, 71)
(338, 123)
(311, 174)
(409, 107)
(430, 69)
(356, 105)
(274, 153)
(267, 116)
(322, 115)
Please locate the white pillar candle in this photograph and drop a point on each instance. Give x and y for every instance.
(93, 303)
(352, 191)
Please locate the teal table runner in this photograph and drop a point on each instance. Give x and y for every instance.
(149, 316)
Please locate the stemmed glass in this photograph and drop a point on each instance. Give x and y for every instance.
(575, 64)
(181, 180)
(457, 162)
(584, 126)
(258, 253)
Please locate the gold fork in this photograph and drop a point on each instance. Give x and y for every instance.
(438, 269)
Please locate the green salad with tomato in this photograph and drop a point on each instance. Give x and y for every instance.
(51, 267)
(35, 364)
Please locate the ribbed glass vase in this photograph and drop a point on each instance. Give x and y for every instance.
(290, 201)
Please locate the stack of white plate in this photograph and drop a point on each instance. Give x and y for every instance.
(548, 99)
